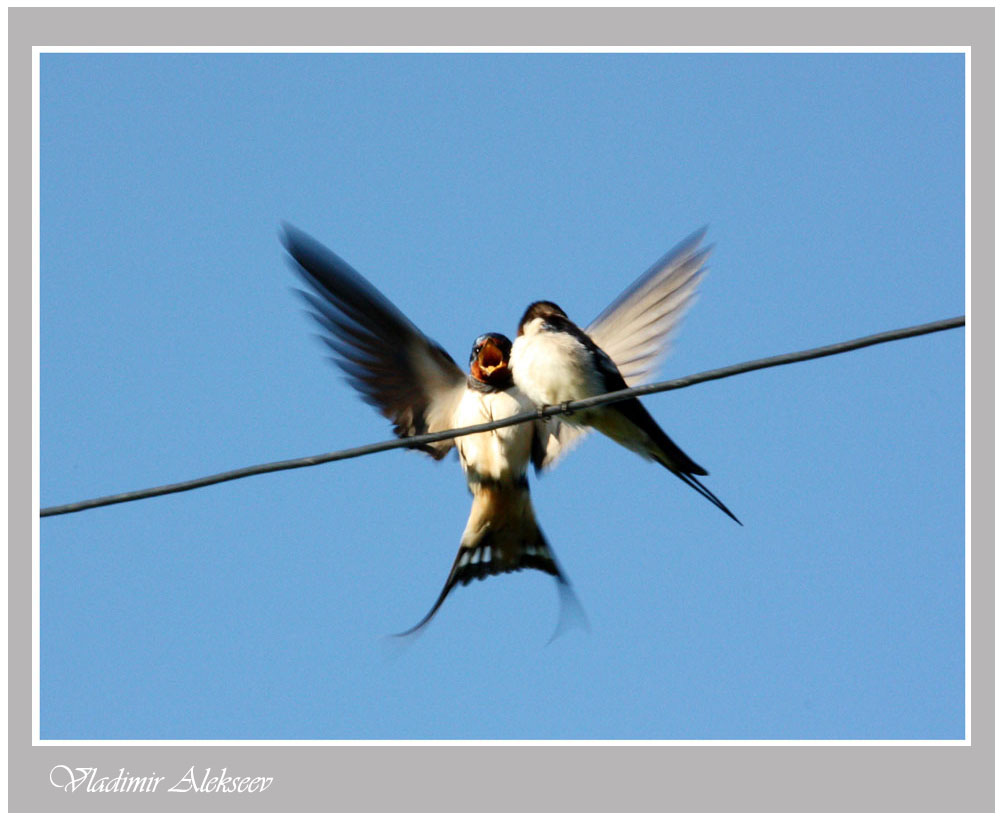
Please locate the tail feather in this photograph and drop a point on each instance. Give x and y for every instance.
(691, 481)
(502, 536)
(630, 424)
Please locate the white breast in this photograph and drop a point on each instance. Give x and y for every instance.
(551, 367)
(501, 454)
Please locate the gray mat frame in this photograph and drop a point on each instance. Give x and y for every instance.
(514, 778)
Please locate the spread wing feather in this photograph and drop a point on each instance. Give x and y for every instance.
(635, 331)
(408, 377)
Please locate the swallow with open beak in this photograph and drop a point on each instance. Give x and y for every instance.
(554, 361)
(415, 383)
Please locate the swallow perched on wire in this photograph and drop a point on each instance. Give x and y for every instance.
(554, 361)
(415, 383)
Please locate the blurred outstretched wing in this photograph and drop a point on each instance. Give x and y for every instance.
(408, 377)
(635, 331)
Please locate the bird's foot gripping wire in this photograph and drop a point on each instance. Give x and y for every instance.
(564, 406)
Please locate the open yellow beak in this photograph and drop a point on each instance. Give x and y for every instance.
(490, 359)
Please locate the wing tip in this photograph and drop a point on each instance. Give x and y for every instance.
(290, 235)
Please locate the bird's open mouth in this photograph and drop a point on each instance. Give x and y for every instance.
(491, 359)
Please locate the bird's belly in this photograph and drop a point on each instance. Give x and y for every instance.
(499, 455)
(550, 370)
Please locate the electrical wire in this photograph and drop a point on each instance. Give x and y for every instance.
(543, 412)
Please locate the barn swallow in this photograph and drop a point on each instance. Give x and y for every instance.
(554, 361)
(416, 384)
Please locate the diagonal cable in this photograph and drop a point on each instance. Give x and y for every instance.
(544, 412)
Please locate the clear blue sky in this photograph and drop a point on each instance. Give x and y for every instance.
(464, 187)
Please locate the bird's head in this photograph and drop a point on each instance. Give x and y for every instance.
(489, 359)
(544, 310)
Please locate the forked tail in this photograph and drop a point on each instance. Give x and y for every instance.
(502, 536)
